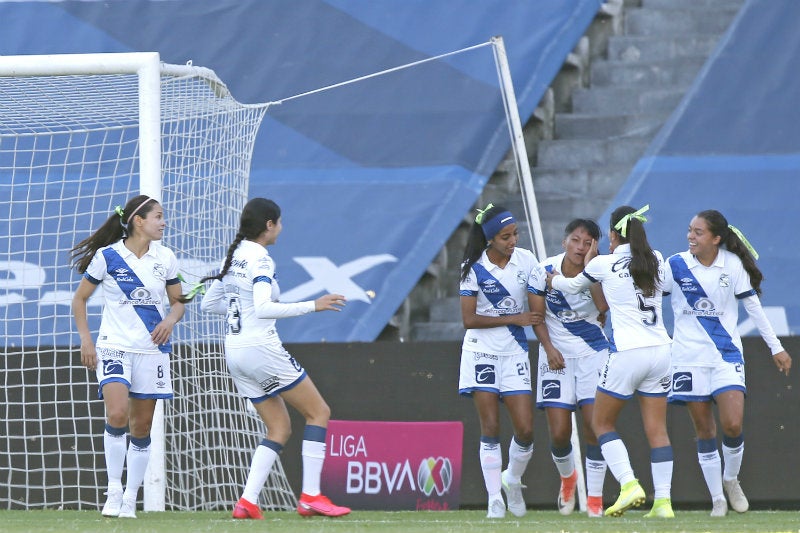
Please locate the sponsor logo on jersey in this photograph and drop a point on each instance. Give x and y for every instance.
(545, 369)
(484, 374)
(490, 356)
(270, 384)
(703, 307)
(551, 389)
(682, 382)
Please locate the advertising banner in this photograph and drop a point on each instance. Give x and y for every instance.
(394, 465)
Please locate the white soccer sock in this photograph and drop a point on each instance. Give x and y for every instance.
(313, 452)
(661, 462)
(733, 459)
(711, 466)
(263, 459)
(519, 455)
(115, 446)
(617, 458)
(491, 458)
(564, 461)
(138, 457)
(595, 471)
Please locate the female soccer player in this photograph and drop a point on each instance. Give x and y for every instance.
(246, 292)
(707, 282)
(568, 370)
(632, 277)
(131, 357)
(497, 282)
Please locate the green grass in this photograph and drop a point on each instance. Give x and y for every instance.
(395, 522)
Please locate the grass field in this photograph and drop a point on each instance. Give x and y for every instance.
(395, 522)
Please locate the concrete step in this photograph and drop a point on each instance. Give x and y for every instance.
(563, 184)
(626, 100)
(594, 126)
(680, 72)
(692, 4)
(585, 153)
(446, 310)
(645, 48)
(671, 22)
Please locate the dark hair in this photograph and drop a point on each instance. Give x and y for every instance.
(718, 225)
(644, 264)
(476, 241)
(252, 223)
(589, 225)
(115, 228)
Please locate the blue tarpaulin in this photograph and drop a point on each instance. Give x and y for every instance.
(373, 176)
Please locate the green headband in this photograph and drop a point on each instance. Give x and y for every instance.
(744, 240)
(482, 213)
(622, 225)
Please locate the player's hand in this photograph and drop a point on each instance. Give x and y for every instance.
(555, 360)
(538, 318)
(89, 355)
(783, 361)
(330, 302)
(591, 254)
(527, 318)
(602, 319)
(162, 332)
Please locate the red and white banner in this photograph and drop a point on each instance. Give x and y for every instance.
(393, 465)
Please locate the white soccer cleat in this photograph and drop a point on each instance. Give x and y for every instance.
(720, 508)
(497, 509)
(513, 490)
(735, 495)
(128, 509)
(113, 502)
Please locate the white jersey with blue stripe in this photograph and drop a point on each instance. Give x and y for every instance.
(572, 318)
(705, 302)
(134, 294)
(501, 291)
(248, 295)
(636, 319)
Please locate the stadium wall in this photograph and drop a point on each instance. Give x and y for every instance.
(389, 381)
(419, 382)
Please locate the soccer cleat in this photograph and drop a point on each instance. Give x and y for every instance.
(245, 509)
(113, 502)
(720, 508)
(662, 508)
(319, 505)
(736, 497)
(594, 506)
(566, 494)
(497, 509)
(513, 490)
(631, 494)
(128, 509)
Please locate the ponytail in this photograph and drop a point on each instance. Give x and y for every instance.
(628, 223)
(734, 241)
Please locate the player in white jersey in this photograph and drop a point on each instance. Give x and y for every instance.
(707, 282)
(131, 357)
(632, 278)
(498, 301)
(569, 367)
(246, 292)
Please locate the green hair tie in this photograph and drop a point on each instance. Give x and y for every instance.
(622, 225)
(118, 210)
(197, 288)
(482, 213)
(744, 240)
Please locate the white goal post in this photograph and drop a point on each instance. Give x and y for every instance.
(80, 134)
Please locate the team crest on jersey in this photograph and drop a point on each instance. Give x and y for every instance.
(159, 271)
(522, 278)
(724, 280)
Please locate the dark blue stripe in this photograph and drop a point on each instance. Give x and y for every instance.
(148, 314)
(495, 298)
(693, 292)
(261, 278)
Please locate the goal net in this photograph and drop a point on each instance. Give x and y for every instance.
(80, 135)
